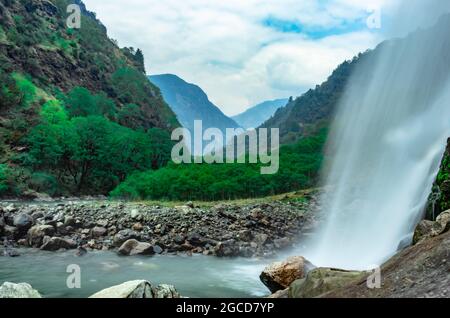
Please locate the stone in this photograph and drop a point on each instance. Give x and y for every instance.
(134, 247)
(98, 231)
(102, 223)
(56, 243)
(69, 221)
(424, 230)
(124, 235)
(138, 227)
(10, 231)
(323, 280)
(37, 233)
(157, 249)
(22, 290)
(131, 289)
(443, 220)
(284, 293)
(23, 222)
(165, 291)
(280, 275)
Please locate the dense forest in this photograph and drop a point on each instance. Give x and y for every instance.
(299, 168)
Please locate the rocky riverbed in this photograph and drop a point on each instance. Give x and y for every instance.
(223, 230)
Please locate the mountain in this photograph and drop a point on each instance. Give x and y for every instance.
(257, 115)
(190, 102)
(68, 98)
(313, 109)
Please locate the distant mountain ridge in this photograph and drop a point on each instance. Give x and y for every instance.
(190, 102)
(257, 115)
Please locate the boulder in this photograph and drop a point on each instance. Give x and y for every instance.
(10, 231)
(443, 220)
(165, 291)
(280, 275)
(134, 247)
(428, 229)
(22, 290)
(37, 233)
(98, 231)
(284, 293)
(123, 236)
(322, 280)
(56, 243)
(23, 222)
(131, 289)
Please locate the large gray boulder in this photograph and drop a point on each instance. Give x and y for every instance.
(134, 247)
(37, 233)
(322, 280)
(22, 290)
(125, 235)
(56, 243)
(23, 222)
(428, 229)
(138, 289)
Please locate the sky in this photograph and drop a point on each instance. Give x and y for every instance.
(243, 52)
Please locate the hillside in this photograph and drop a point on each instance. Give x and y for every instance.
(190, 102)
(257, 115)
(301, 116)
(54, 78)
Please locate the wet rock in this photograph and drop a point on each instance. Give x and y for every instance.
(23, 222)
(138, 227)
(134, 247)
(157, 249)
(226, 249)
(56, 243)
(322, 280)
(165, 291)
(81, 251)
(425, 229)
(22, 290)
(279, 275)
(124, 235)
(131, 289)
(284, 293)
(37, 233)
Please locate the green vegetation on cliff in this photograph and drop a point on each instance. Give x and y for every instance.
(77, 113)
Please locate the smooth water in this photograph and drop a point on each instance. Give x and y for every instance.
(196, 276)
(386, 143)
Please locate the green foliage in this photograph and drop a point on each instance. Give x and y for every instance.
(299, 167)
(4, 179)
(81, 102)
(26, 88)
(10, 95)
(92, 153)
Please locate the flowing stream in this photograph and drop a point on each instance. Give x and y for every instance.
(387, 143)
(196, 276)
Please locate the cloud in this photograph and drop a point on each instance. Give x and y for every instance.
(242, 52)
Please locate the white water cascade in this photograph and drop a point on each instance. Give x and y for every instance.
(387, 142)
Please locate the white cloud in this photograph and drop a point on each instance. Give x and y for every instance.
(224, 47)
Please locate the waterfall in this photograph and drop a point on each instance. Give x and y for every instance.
(386, 145)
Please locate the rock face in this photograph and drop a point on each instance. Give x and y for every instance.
(322, 280)
(428, 229)
(138, 289)
(420, 271)
(134, 247)
(22, 290)
(56, 243)
(280, 275)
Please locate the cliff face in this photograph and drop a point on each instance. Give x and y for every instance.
(439, 200)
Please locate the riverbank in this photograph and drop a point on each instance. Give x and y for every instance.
(247, 229)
